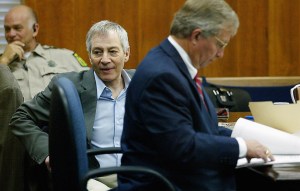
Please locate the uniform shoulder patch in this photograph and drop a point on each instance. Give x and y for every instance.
(80, 60)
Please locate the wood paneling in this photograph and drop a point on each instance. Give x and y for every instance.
(267, 42)
(284, 37)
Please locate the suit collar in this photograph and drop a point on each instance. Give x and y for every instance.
(185, 57)
(175, 56)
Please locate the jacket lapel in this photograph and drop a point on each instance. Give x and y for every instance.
(88, 97)
(174, 55)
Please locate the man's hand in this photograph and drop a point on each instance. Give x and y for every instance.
(257, 150)
(12, 51)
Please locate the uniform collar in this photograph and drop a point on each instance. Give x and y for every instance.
(41, 51)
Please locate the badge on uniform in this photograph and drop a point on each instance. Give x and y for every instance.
(51, 63)
(80, 60)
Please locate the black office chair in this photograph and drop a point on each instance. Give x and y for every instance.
(68, 147)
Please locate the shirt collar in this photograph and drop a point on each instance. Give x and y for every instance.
(185, 57)
(101, 86)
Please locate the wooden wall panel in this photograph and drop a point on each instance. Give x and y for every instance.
(284, 37)
(267, 42)
(154, 20)
(241, 57)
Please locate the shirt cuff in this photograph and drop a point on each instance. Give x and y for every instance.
(242, 147)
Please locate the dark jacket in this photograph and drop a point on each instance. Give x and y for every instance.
(167, 128)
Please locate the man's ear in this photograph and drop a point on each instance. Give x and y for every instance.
(127, 54)
(196, 34)
(35, 28)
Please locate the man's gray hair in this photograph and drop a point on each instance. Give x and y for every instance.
(103, 27)
(211, 16)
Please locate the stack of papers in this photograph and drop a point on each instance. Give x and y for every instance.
(279, 159)
(283, 145)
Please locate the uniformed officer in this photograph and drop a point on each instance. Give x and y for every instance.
(33, 64)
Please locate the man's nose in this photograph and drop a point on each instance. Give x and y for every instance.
(220, 53)
(105, 58)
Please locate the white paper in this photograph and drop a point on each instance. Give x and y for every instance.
(284, 146)
(279, 142)
(279, 159)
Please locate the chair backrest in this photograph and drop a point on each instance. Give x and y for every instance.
(67, 137)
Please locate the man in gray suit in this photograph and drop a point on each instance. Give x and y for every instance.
(10, 148)
(102, 91)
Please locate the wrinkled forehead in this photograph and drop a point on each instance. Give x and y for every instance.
(108, 37)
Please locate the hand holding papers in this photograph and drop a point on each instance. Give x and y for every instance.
(284, 146)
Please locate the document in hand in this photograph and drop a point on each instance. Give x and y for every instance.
(284, 146)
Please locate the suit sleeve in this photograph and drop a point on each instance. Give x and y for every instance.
(10, 99)
(29, 121)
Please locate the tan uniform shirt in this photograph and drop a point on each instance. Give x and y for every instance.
(35, 73)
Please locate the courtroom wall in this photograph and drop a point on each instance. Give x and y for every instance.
(267, 43)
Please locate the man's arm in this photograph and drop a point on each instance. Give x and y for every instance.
(28, 123)
(11, 96)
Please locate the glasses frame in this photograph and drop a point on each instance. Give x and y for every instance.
(221, 44)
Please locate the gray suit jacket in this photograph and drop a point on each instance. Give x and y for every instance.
(32, 117)
(11, 150)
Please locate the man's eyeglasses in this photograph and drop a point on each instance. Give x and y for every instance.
(220, 43)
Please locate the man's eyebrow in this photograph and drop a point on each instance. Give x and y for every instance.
(13, 26)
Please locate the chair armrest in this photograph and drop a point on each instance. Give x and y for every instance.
(108, 150)
(131, 169)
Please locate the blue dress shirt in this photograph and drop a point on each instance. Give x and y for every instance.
(108, 125)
